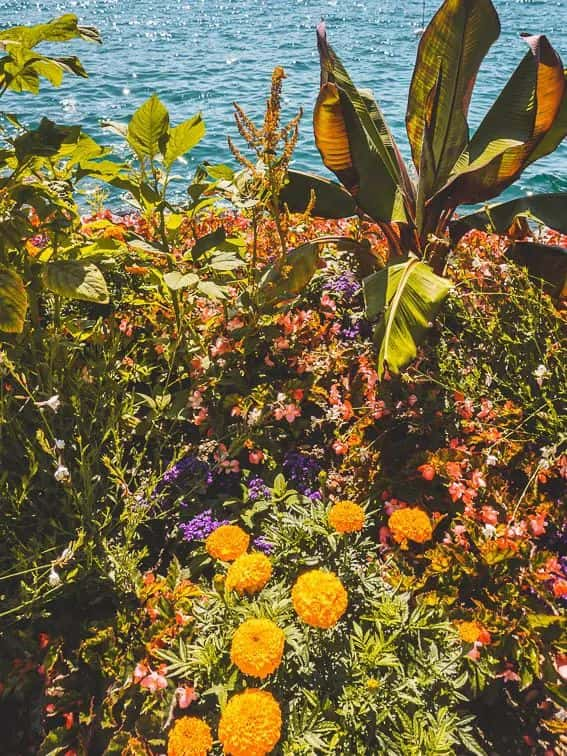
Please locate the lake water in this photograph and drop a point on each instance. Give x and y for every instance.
(204, 54)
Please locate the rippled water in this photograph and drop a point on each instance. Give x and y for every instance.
(203, 54)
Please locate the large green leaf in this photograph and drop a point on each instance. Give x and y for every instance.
(285, 279)
(46, 140)
(148, 126)
(519, 120)
(76, 279)
(451, 49)
(331, 200)
(61, 29)
(183, 138)
(13, 301)
(549, 209)
(355, 142)
(545, 261)
(406, 297)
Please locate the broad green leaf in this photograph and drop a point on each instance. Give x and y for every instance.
(407, 297)
(183, 138)
(148, 126)
(76, 279)
(176, 280)
(451, 49)
(287, 278)
(46, 140)
(549, 209)
(331, 200)
(355, 142)
(13, 301)
(512, 129)
(207, 242)
(211, 289)
(60, 29)
(545, 261)
(220, 172)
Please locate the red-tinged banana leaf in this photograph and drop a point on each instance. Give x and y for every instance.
(549, 209)
(556, 133)
(523, 114)
(457, 39)
(407, 297)
(355, 142)
(545, 261)
(331, 200)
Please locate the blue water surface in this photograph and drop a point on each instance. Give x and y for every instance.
(201, 55)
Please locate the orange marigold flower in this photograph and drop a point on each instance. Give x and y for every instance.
(189, 736)
(250, 724)
(227, 543)
(410, 524)
(249, 573)
(257, 647)
(319, 598)
(346, 517)
(473, 632)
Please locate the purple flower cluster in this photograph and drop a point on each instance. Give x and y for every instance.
(351, 332)
(346, 285)
(257, 489)
(201, 526)
(302, 471)
(188, 465)
(261, 544)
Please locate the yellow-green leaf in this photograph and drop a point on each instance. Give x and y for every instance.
(13, 301)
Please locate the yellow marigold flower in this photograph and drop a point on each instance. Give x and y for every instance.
(257, 647)
(249, 573)
(473, 632)
(410, 524)
(189, 736)
(319, 598)
(227, 543)
(250, 724)
(346, 517)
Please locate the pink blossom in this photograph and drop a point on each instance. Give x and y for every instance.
(154, 681)
(489, 515)
(289, 411)
(538, 524)
(221, 346)
(140, 671)
(256, 457)
(185, 696)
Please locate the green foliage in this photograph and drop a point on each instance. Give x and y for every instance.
(377, 682)
(452, 169)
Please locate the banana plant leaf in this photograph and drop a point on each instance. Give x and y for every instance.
(512, 130)
(406, 297)
(13, 301)
(451, 49)
(556, 133)
(287, 278)
(549, 209)
(545, 261)
(331, 200)
(355, 142)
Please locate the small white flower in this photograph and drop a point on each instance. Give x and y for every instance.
(489, 531)
(59, 444)
(53, 578)
(491, 459)
(53, 403)
(62, 474)
(253, 417)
